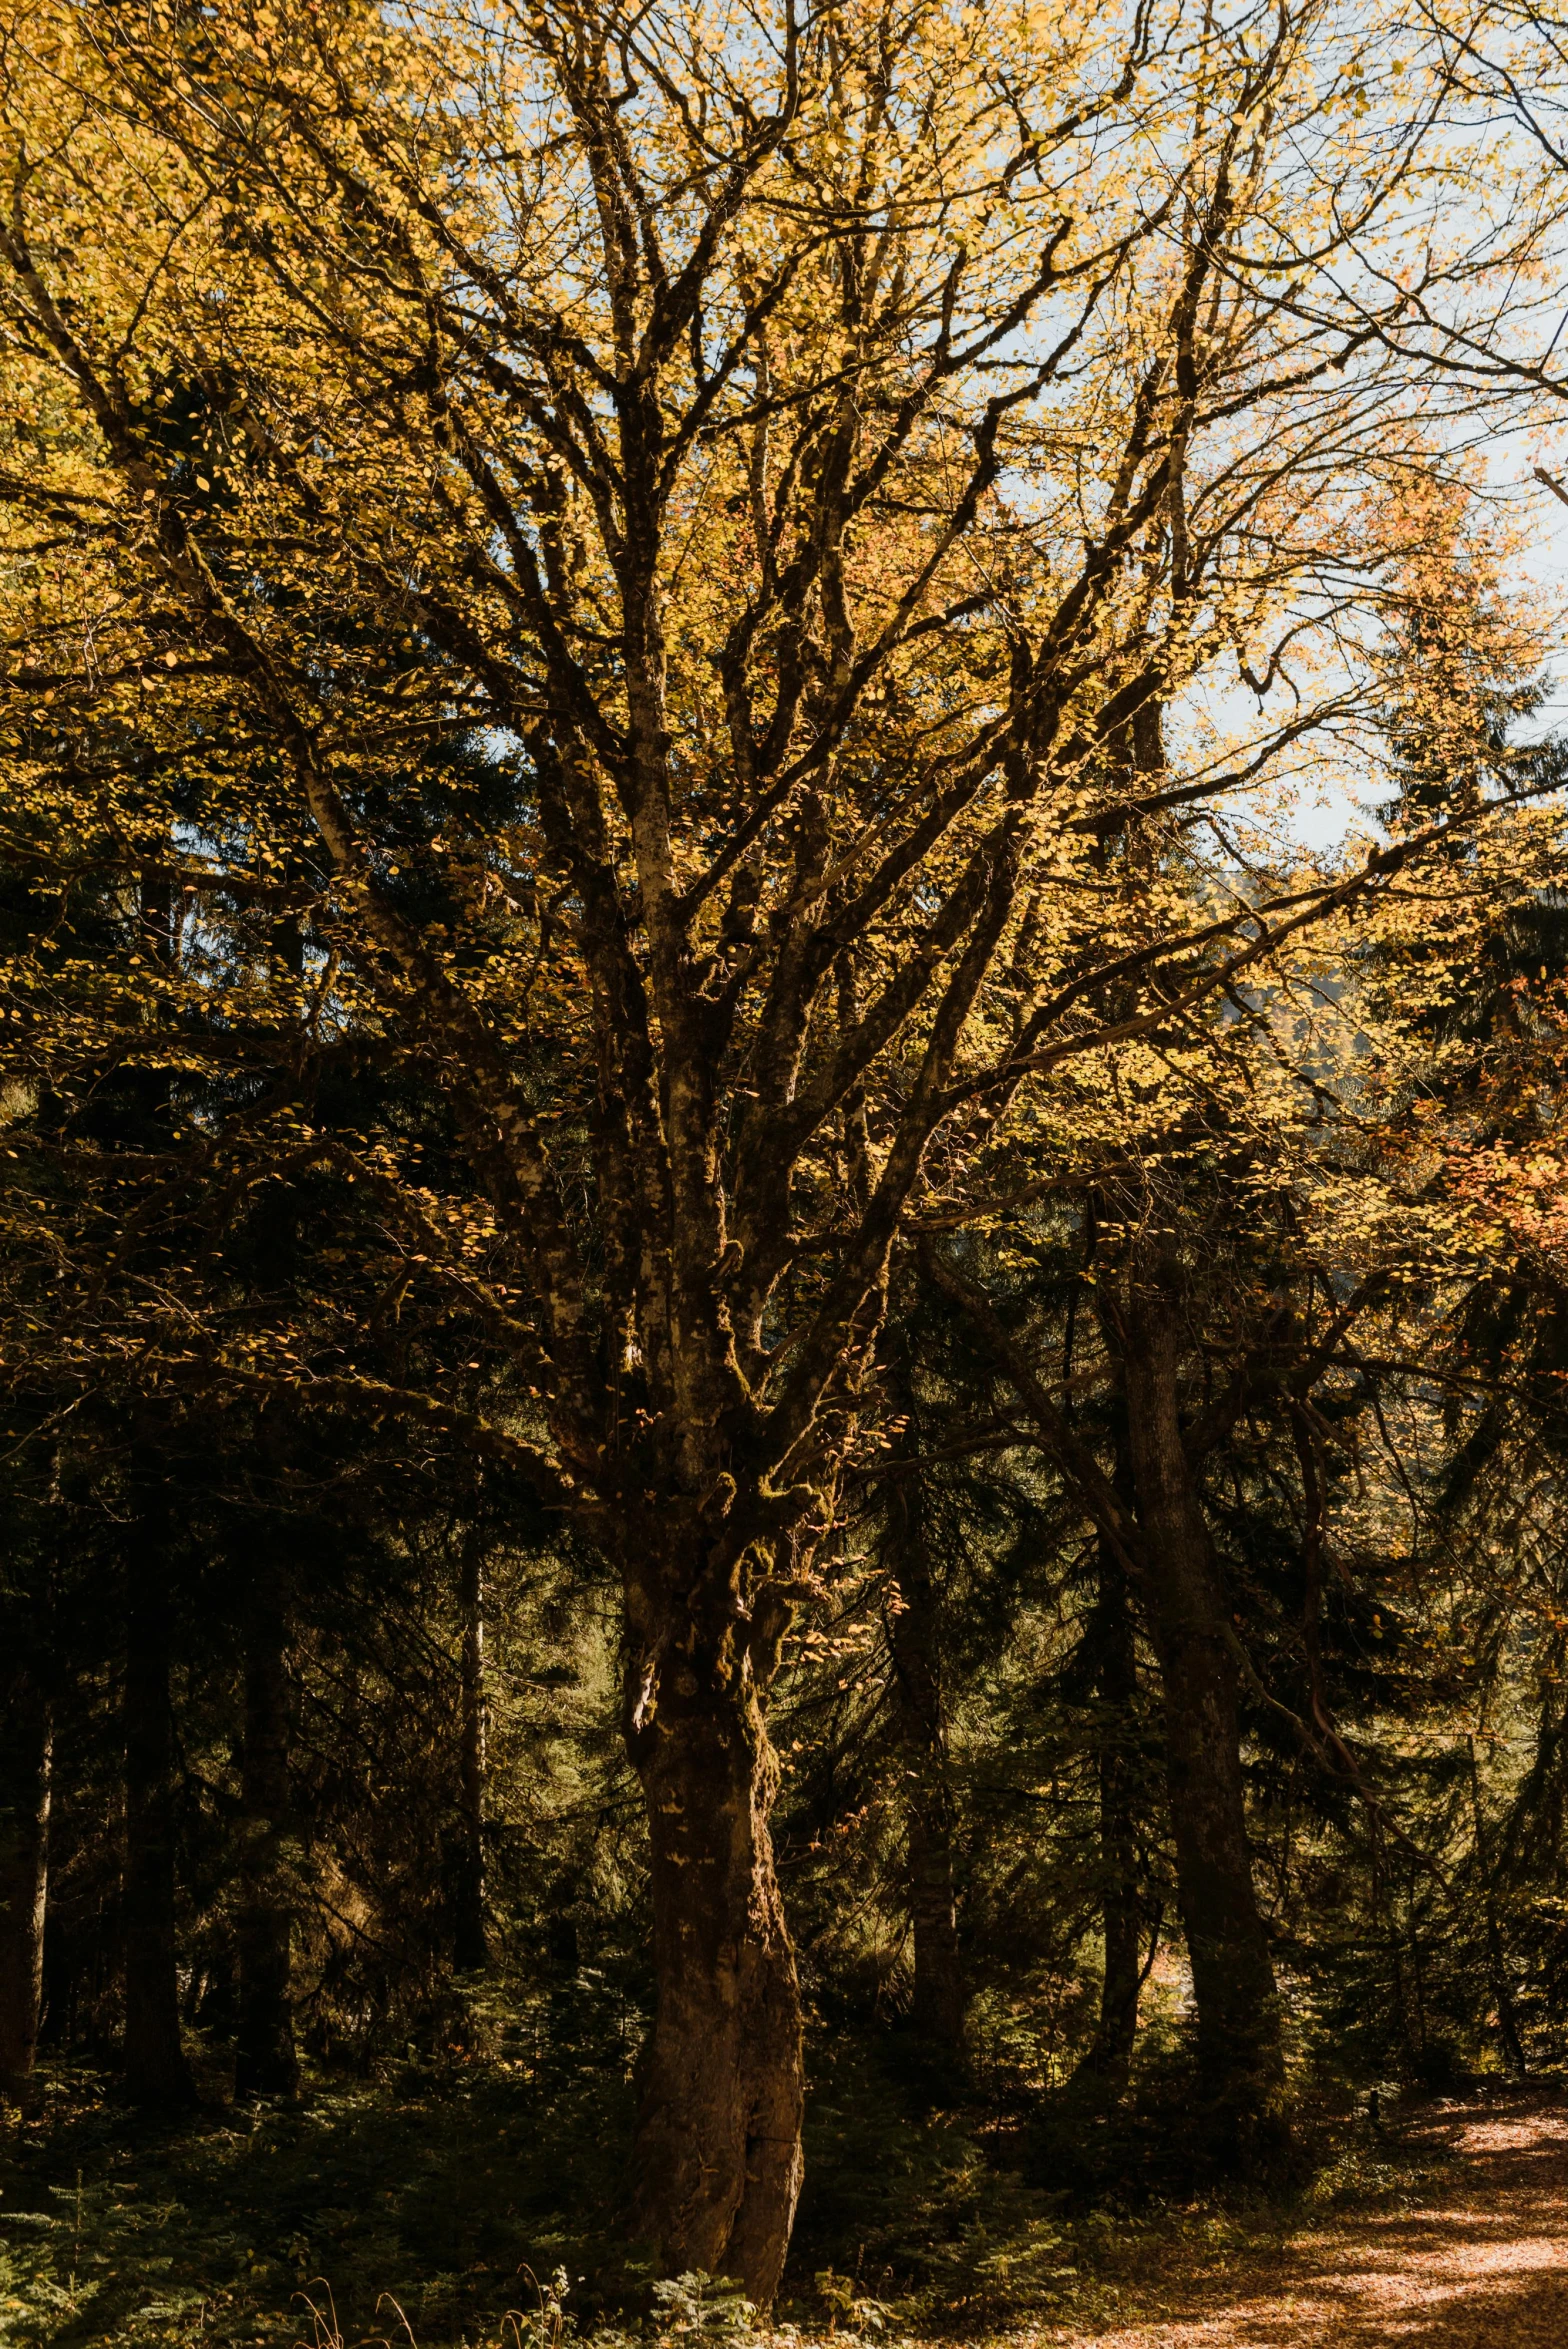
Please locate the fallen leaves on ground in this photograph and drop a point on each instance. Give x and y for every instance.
(1483, 2264)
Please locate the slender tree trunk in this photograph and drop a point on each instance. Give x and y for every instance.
(156, 2072)
(470, 1947)
(265, 2060)
(719, 2156)
(1109, 2059)
(940, 2002)
(26, 1755)
(1240, 2046)
(1496, 1955)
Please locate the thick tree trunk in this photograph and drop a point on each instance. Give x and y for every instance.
(1109, 2058)
(26, 1754)
(1240, 2047)
(719, 2154)
(470, 1947)
(156, 2072)
(940, 2002)
(265, 2060)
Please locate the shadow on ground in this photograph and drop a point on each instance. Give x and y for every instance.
(1482, 2265)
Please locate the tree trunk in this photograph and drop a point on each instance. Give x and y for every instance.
(156, 2072)
(719, 2154)
(26, 1754)
(1109, 2059)
(470, 1947)
(940, 2003)
(265, 2060)
(1240, 2047)
(1496, 1955)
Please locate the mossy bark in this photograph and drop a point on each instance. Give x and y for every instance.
(719, 2151)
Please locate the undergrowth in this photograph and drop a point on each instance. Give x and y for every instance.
(425, 2204)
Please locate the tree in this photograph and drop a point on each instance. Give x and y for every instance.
(155, 2067)
(26, 1765)
(913, 1618)
(806, 443)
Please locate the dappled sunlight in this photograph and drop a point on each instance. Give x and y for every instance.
(1485, 2263)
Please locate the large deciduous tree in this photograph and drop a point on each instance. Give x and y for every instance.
(800, 446)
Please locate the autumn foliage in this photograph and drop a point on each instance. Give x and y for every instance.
(667, 677)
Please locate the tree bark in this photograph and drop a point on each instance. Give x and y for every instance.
(26, 1756)
(1496, 1955)
(1240, 2045)
(470, 1945)
(266, 2063)
(719, 2154)
(940, 2005)
(156, 2072)
(1109, 2059)
(940, 2002)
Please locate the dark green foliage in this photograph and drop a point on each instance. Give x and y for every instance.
(431, 2181)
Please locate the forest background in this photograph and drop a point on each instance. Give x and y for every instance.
(783, 1421)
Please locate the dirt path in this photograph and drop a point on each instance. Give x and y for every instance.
(1482, 2264)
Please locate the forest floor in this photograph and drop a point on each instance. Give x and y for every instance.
(1471, 2255)
(1444, 2228)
